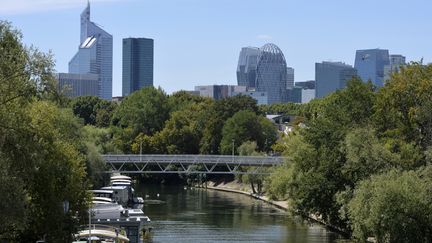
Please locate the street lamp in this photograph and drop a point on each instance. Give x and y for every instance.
(233, 150)
(141, 150)
(90, 212)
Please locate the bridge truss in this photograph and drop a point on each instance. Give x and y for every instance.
(190, 164)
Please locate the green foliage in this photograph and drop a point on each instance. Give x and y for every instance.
(215, 117)
(365, 155)
(243, 126)
(144, 111)
(393, 207)
(404, 106)
(40, 164)
(282, 108)
(93, 110)
(338, 165)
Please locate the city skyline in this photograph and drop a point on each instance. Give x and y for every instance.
(213, 33)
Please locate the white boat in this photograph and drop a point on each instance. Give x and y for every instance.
(121, 194)
(101, 234)
(120, 177)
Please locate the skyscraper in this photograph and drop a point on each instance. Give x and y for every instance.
(74, 85)
(396, 62)
(246, 68)
(331, 76)
(290, 78)
(370, 65)
(95, 54)
(219, 92)
(137, 64)
(272, 73)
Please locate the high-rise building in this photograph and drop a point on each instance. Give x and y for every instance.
(370, 65)
(219, 92)
(396, 62)
(307, 95)
(260, 97)
(310, 84)
(73, 85)
(272, 73)
(137, 64)
(95, 54)
(246, 68)
(331, 76)
(290, 78)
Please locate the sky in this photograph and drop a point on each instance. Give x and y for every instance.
(197, 42)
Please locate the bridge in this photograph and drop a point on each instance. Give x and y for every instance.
(190, 164)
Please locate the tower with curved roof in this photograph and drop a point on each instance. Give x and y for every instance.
(271, 74)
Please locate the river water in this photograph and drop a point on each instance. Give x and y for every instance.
(181, 214)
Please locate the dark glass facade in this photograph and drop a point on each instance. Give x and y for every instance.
(137, 64)
(331, 76)
(370, 65)
(246, 68)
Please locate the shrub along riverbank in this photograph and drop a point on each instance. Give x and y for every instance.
(363, 160)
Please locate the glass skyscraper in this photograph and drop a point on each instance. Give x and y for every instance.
(246, 68)
(74, 85)
(95, 55)
(370, 65)
(137, 64)
(290, 78)
(331, 76)
(272, 73)
(396, 62)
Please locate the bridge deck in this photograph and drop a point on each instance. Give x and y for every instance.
(191, 164)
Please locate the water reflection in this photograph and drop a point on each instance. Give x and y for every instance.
(196, 215)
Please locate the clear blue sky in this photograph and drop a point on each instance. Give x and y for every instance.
(198, 41)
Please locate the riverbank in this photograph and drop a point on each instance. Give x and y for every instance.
(245, 189)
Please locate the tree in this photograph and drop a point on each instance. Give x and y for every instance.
(318, 154)
(215, 117)
(249, 148)
(39, 154)
(393, 207)
(243, 126)
(144, 111)
(93, 110)
(403, 109)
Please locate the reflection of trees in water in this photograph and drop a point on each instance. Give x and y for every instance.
(200, 211)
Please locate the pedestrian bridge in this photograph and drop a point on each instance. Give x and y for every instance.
(190, 164)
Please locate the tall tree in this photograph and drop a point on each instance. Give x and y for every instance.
(93, 110)
(216, 116)
(144, 111)
(38, 148)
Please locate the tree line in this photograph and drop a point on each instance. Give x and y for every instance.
(362, 162)
(358, 159)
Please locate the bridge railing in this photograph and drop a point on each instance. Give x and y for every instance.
(210, 164)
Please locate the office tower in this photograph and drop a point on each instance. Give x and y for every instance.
(246, 68)
(137, 64)
(310, 84)
(331, 76)
(218, 92)
(290, 78)
(307, 95)
(260, 97)
(370, 65)
(308, 90)
(73, 85)
(396, 62)
(95, 54)
(272, 74)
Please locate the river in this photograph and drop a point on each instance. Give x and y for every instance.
(198, 215)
